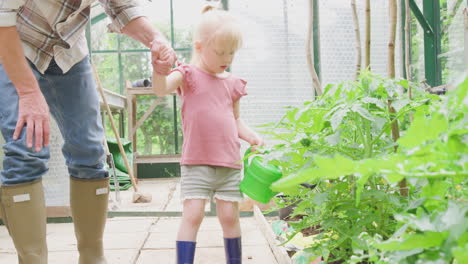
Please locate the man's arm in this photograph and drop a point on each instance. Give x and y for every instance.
(128, 18)
(141, 29)
(14, 62)
(163, 56)
(32, 109)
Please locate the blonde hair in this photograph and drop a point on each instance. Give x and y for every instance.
(218, 27)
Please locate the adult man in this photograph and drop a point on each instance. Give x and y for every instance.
(45, 64)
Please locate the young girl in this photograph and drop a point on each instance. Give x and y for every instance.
(211, 125)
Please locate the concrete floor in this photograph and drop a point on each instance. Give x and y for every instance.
(149, 240)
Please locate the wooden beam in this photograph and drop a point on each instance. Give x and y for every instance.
(465, 14)
(158, 101)
(157, 159)
(280, 252)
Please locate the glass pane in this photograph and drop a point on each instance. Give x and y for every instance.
(100, 39)
(159, 13)
(136, 66)
(108, 127)
(108, 70)
(184, 56)
(417, 50)
(186, 14)
(179, 125)
(127, 43)
(452, 30)
(157, 134)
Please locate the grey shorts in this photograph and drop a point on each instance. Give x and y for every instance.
(206, 182)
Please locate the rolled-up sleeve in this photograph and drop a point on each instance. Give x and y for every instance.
(121, 12)
(8, 11)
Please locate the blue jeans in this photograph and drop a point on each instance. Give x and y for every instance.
(73, 102)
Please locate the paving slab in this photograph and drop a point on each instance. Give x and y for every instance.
(149, 240)
(120, 256)
(175, 204)
(161, 191)
(210, 245)
(214, 255)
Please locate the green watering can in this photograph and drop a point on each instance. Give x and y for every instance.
(258, 176)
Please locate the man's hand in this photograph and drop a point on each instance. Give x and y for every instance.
(32, 107)
(34, 112)
(162, 56)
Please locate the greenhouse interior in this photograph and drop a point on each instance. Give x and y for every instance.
(362, 110)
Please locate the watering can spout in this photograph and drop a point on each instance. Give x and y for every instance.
(258, 177)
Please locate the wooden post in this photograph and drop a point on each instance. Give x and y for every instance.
(131, 119)
(317, 87)
(280, 252)
(357, 34)
(368, 35)
(391, 74)
(391, 42)
(408, 45)
(465, 13)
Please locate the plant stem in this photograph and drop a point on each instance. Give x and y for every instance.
(387, 125)
(364, 137)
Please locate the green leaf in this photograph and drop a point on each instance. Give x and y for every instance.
(423, 129)
(459, 97)
(404, 83)
(463, 239)
(337, 117)
(423, 222)
(415, 241)
(292, 180)
(438, 188)
(333, 139)
(327, 169)
(291, 114)
(461, 254)
(360, 186)
(394, 177)
(335, 167)
(454, 219)
(364, 113)
(320, 198)
(302, 257)
(400, 104)
(378, 123)
(455, 144)
(372, 100)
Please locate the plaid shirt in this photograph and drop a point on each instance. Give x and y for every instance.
(55, 28)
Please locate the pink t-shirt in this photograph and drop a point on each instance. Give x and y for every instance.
(209, 125)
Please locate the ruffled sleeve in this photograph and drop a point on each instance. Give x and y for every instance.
(187, 73)
(239, 89)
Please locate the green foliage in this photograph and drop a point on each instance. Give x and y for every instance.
(342, 142)
(157, 134)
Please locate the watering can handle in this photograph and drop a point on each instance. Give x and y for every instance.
(247, 152)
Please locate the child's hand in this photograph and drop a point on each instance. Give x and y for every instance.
(162, 56)
(256, 143)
